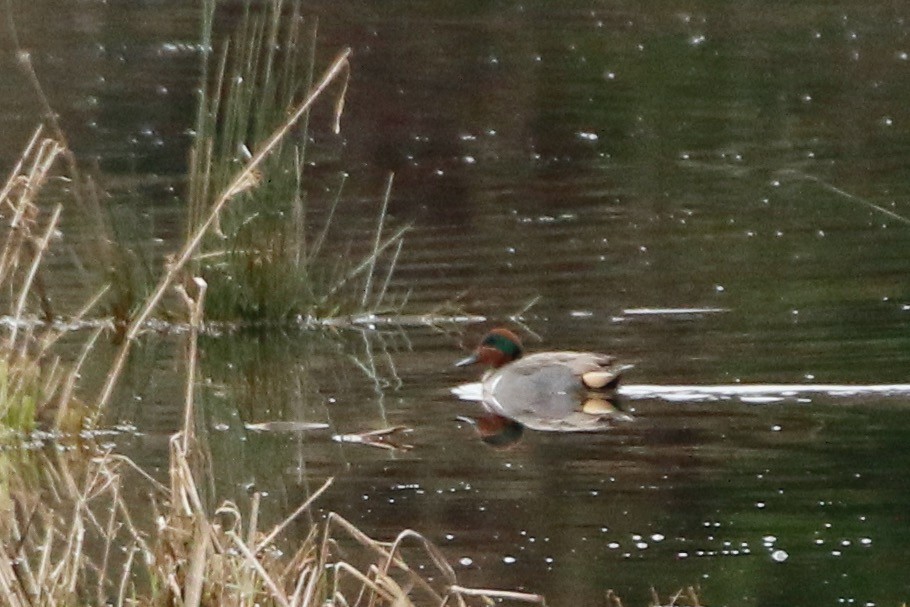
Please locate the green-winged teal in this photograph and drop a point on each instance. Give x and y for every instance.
(561, 391)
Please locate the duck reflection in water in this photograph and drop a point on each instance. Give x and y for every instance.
(559, 391)
(495, 430)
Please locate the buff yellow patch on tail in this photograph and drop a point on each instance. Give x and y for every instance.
(598, 406)
(597, 379)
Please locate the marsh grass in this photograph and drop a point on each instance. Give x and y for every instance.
(72, 536)
(264, 259)
(33, 382)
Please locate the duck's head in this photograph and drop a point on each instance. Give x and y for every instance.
(497, 348)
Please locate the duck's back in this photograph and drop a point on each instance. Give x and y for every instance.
(546, 385)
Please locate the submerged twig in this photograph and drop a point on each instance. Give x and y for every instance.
(383, 438)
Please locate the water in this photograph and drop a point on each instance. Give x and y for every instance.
(687, 186)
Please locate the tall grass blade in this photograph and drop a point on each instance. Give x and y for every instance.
(379, 224)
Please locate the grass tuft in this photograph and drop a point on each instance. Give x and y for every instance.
(72, 537)
(33, 383)
(264, 259)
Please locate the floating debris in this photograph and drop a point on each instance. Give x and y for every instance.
(672, 311)
(286, 426)
(383, 439)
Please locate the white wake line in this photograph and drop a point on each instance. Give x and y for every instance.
(750, 393)
(759, 392)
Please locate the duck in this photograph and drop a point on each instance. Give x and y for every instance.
(563, 391)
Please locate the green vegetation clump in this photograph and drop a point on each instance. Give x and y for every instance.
(264, 258)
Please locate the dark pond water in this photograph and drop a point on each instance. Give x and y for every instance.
(609, 159)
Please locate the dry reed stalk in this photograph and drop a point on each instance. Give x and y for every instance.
(83, 190)
(13, 179)
(79, 184)
(40, 248)
(342, 566)
(196, 306)
(66, 394)
(195, 576)
(18, 194)
(251, 560)
(268, 539)
(364, 540)
(437, 557)
(202, 562)
(10, 589)
(125, 577)
(612, 599)
(242, 177)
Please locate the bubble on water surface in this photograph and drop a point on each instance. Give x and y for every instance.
(779, 556)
